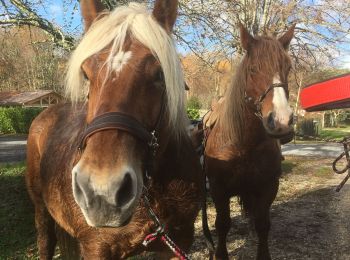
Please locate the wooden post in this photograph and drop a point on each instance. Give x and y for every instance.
(300, 83)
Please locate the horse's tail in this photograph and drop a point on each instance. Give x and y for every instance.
(69, 246)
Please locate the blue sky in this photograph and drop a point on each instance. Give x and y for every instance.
(57, 12)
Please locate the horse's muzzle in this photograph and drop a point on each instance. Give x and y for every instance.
(109, 202)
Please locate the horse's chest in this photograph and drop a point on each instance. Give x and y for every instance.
(244, 172)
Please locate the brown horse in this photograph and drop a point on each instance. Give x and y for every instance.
(132, 125)
(242, 157)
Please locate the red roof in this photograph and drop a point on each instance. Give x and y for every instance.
(333, 93)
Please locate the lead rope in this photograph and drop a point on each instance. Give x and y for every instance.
(160, 232)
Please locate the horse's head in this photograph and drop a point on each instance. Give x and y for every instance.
(130, 62)
(267, 65)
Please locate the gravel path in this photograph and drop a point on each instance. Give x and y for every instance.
(309, 219)
(12, 148)
(310, 149)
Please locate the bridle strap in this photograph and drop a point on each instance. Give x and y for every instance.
(127, 123)
(258, 103)
(118, 121)
(277, 85)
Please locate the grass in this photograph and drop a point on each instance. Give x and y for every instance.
(17, 232)
(335, 133)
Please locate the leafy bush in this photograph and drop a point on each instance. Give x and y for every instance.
(193, 113)
(193, 106)
(17, 120)
(194, 103)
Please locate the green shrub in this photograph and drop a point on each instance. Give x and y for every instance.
(194, 103)
(17, 120)
(193, 106)
(193, 113)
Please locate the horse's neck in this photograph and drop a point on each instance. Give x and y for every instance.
(176, 161)
(253, 128)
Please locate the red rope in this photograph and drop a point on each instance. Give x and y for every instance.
(167, 241)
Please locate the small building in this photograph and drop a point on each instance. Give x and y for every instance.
(39, 98)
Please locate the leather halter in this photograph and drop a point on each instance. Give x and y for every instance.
(259, 102)
(126, 123)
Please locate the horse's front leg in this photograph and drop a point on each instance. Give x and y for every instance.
(45, 227)
(261, 215)
(222, 224)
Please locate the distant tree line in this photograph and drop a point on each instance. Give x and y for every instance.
(35, 49)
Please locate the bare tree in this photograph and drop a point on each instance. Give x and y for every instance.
(209, 26)
(25, 65)
(208, 29)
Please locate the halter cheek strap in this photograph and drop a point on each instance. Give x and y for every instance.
(259, 102)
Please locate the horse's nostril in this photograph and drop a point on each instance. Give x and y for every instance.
(125, 193)
(271, 121)
(82, 190)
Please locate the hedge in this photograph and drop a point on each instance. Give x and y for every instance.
(17, 120)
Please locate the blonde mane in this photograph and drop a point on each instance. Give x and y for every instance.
(231, 118)
(111, 30)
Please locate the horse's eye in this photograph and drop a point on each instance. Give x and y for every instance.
(160, 76)
(85, 75)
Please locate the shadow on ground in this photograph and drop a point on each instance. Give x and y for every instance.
(17, 233)
(315, 225)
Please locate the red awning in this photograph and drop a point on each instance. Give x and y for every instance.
(333, 93)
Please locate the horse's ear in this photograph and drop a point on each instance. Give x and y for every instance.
(247, 40)
(287, 37)
(165, 12)
(90, 9)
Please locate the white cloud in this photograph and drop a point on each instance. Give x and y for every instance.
(56, 10)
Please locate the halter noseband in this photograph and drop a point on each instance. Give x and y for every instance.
(127, 123)
(259, 102)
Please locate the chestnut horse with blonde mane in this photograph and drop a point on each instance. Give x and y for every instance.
(242, 155)
(88, 164)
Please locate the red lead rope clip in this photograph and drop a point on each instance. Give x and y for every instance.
(153, 236)
(160, 233)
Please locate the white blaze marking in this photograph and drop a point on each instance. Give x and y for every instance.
(280, 103)
(120, 60)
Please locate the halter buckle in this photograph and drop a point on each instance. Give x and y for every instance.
(153, 144)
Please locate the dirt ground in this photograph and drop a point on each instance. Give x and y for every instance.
(310, 220)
